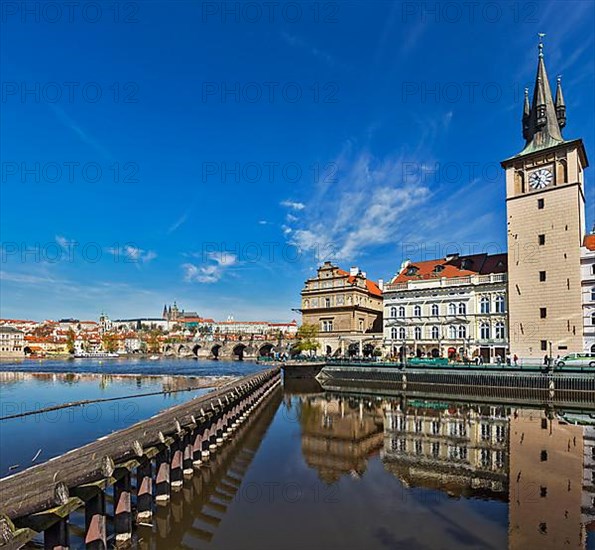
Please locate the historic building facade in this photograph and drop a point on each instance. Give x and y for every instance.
(546, 225)
(455, 448)
(588, 287)
(346, 307)
(12, 342)
(455, 306)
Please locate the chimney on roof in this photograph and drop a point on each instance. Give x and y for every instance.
(405, 264)
(381, 284)
(354, 271)
(451, 257)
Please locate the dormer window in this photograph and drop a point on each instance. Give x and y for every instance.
(466, 264)
(412, 270)
(439, 269)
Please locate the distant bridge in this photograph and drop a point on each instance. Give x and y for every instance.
(204, 348)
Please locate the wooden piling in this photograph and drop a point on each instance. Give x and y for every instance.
(162, 481)
(144, 492)
(123, 510)
(95, 522)
(56, 537)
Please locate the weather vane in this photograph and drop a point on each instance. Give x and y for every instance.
(541, 35)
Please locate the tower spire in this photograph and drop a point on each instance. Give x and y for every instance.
(541, 127)
(560, 104)
(526, 115)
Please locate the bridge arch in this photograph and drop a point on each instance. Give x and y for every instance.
(215, 351)
(266, 350)
(238, 351)
(196, 348)
(169, 349)
(181, 349)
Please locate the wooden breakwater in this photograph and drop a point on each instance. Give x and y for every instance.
(560, 389)
(158, 453)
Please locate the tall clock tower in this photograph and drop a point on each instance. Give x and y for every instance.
(546, 223)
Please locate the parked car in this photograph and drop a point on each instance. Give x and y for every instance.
(427, 361)
(577, 360)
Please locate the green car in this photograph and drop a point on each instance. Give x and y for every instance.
(577, 360)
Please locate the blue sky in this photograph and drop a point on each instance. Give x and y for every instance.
(190, 151)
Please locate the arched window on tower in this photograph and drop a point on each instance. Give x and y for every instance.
(519, 182)
(562, 175)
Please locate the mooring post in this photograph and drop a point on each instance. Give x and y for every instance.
(197, 446)
(144, 492)
(205, 453)
(123, 510)
(162, 482)
(177, 478)
(56, 536)
(187, 468)
(95, 523)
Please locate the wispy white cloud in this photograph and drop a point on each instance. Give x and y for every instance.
(132, 254)
(212, 270)
(369, 206)
(84, 136)
(293, 205)
(300, 43)
(25, 278)
(178, 223)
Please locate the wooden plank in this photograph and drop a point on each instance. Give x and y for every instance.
(34, 489)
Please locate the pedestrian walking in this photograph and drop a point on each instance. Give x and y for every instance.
(516, 360)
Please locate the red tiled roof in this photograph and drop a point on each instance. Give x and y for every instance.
(589, 241)
(372, 286)
(459, 266)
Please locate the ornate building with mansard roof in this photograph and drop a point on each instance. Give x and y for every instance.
(454, 306)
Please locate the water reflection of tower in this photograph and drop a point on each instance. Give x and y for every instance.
(339, 435)
(461, 450)
(547, 471)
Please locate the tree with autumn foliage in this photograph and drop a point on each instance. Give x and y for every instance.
(70, 338)
(307, 335)
(109, 341)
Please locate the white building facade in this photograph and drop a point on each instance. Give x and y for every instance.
(588, 292)
(12, 342)
(455, 307)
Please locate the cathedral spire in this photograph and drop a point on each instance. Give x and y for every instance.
(541, 128)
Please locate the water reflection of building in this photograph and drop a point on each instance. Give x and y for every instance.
(339, 435)
(460, 450)
(551, 482)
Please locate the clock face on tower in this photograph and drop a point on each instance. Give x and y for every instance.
(541, 178)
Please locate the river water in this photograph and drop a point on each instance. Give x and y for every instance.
(35, 385)
(328, 470)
